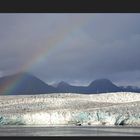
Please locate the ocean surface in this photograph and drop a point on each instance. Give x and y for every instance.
(68, 131)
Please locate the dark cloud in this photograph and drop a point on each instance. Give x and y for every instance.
(81, 47)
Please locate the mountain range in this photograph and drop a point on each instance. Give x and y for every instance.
(25, 83)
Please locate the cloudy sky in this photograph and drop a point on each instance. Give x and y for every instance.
(76, 48)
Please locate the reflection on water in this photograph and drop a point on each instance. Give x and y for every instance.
(68, 131)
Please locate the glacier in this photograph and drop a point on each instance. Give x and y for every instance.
(109, 109)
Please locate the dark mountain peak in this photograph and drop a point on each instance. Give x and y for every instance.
(103, 85)
(101, 82)
(63, 84)
(130, 88)
(24, 83)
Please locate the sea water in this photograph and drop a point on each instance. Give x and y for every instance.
(68, 131)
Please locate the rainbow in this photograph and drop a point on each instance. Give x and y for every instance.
(41, 54)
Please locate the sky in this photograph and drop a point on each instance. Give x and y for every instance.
(73, 47)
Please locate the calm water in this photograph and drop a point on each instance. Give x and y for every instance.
(68, 131)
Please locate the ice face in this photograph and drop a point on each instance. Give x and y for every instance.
(58, 118)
